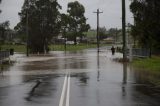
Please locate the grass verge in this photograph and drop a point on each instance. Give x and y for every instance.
(17, 48)
(149, 64)
(71, 47)
(148, 69)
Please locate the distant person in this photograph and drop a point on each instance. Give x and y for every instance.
(113, 50)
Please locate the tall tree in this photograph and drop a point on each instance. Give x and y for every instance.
(3, 28)
(147, 24)
(42, 20)
(77, 20)
(64, 24)
(102, 33)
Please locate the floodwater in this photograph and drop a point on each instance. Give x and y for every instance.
(95, 80)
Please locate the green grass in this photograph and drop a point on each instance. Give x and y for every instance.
(149, 64)
(60, 47)
(22, 48)
(71, 47)
(17, 48)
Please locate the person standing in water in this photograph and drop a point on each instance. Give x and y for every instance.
(113, 50)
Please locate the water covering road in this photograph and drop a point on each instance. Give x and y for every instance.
(95, 80)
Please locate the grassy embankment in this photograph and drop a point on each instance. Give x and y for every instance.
(148, 64)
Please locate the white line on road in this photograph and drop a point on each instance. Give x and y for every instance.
(65, 92)
(68, 91)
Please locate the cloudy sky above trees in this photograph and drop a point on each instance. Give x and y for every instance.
(111, 16)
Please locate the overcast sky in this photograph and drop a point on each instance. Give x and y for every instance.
(111, 16)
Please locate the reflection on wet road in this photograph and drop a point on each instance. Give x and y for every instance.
(95, 80)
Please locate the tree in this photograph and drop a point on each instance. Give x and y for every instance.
(77, 20)
(146, 28)
(112, 32)
(64, 24)
(3, 27)
(102, 33)
(20, 32)
(41, 18)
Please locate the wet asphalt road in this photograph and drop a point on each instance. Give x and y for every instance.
(95, 80)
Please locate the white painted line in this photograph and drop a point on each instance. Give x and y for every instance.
(68, 92)
(63, 91)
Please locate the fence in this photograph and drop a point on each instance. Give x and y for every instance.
(139, 52)
(4, 55)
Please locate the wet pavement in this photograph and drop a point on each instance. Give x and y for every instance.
(94, 80)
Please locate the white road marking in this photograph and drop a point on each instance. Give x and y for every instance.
(63, 92)
(68, 92)
(65, 95)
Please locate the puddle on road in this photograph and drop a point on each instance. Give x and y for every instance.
(38, 80)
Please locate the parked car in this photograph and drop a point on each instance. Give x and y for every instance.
(70, 42)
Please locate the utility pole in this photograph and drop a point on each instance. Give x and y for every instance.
(98, 12)
(27, 51)
(124, 30)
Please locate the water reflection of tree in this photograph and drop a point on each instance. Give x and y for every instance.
(83, 78)
(147, 82)
(1, 70)
(41, 65)
(145, 77)
(4, 68)
(76, 63)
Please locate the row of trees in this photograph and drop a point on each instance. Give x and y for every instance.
(43, 21)
(114, 33)
(146, 28)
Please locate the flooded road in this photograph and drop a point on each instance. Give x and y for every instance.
(87, 78)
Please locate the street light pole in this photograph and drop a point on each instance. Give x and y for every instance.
(124, 30)
(98, 12)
